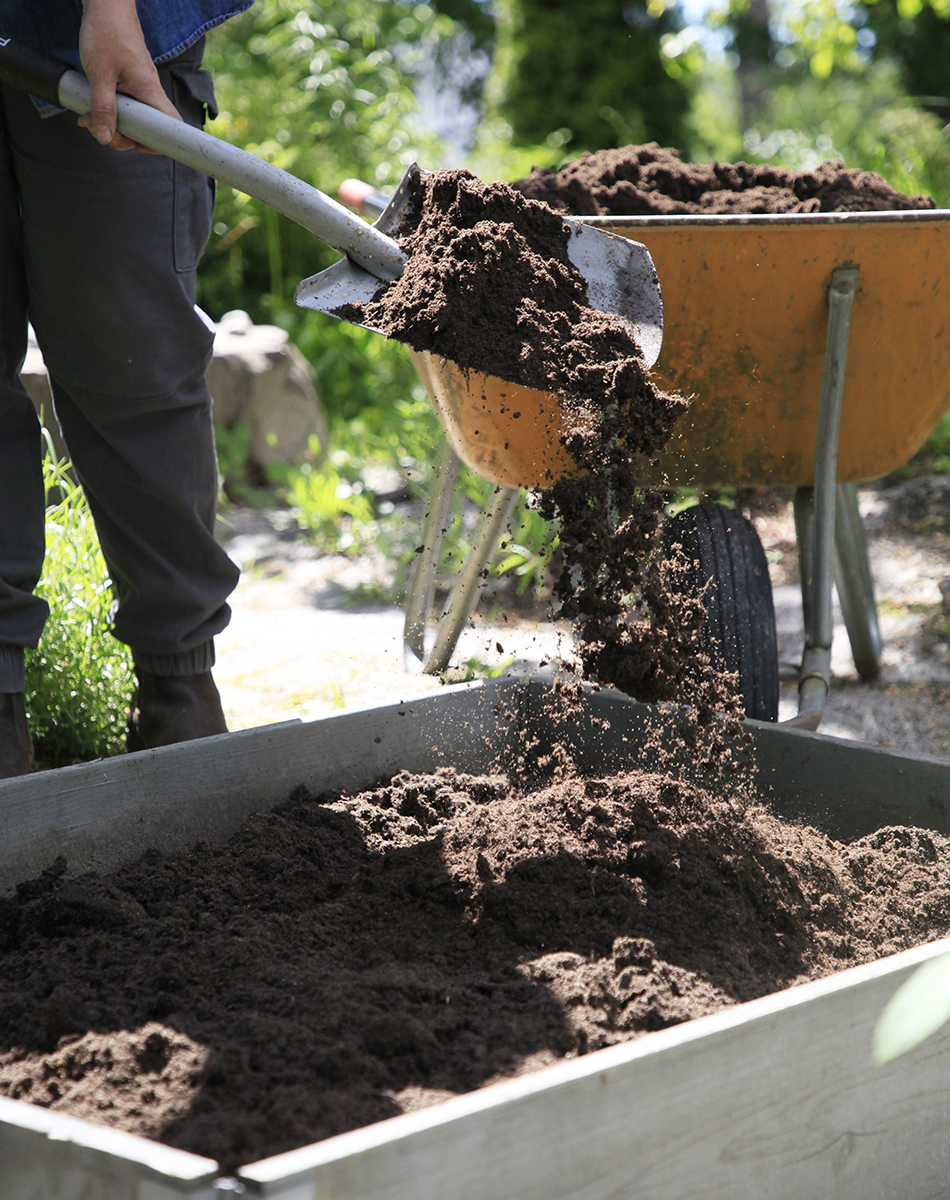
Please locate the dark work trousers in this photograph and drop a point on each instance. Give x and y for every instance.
(99, 248)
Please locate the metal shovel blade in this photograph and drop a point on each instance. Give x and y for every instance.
(620, 275)
(345, 282)
(622, 280)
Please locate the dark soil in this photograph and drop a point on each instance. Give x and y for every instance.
(488, 283)
(339, 962)
(653, 181)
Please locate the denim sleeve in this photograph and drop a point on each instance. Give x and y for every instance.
(170, 26)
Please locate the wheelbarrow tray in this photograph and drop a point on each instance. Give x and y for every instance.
(745, 327)
(746, 319)
(776, 1097)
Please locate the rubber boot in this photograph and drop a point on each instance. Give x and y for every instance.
(173, 708)
(16, 749)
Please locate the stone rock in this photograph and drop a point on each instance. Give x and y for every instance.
(257, 377)
(260, 379)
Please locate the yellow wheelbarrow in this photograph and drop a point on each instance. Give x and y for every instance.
(759, 315)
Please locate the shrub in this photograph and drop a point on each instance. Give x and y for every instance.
(79, 679)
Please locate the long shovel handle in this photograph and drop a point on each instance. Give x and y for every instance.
(27, 70)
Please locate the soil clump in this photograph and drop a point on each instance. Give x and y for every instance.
(652, 180)
(341, 960)
(489, 284)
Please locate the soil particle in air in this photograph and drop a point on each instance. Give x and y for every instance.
(340, 961)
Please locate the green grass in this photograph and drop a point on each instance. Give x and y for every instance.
(79, 679)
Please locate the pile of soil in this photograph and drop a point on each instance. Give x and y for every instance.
(653, 181)
(345, 959)
(340, 961)
(489, 284)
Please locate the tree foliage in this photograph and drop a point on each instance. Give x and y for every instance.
(917, 36)
(324, 89)
(867, 121)
(829, 84)
(840, 35)
(590, 76)
(477, 16)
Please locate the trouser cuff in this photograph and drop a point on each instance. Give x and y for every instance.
(12, 669)
(187, 662)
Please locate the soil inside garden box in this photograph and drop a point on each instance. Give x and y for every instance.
(342, 960)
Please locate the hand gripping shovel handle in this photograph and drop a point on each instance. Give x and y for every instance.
(29, 71)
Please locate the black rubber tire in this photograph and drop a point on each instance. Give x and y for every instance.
(739, 633)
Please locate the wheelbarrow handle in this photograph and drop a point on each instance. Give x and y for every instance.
(28, 70)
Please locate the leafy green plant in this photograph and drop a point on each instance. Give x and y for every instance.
(919, 1007)
(330, 502)
(526, 547)
(79, 679)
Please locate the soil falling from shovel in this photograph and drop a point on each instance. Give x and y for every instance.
(489, 285)
(348, 958)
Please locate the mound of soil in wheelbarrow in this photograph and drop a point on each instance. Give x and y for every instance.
(653, 181)
(343, 960)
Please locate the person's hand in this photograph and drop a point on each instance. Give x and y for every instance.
(115, 58)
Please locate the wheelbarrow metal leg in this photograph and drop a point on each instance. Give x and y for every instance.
(462, 598)
(854, 583)
(817, 558)
(426, 565)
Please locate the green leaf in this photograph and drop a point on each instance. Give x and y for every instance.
(916, 1010)
(822, 62)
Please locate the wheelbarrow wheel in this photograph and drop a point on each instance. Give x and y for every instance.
(739, 633)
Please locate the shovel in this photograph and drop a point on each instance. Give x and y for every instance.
(620, 275)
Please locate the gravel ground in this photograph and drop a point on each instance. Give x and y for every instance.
(306, 641)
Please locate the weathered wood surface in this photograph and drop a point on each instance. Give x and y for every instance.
(47, 1156)
(777, 1098)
